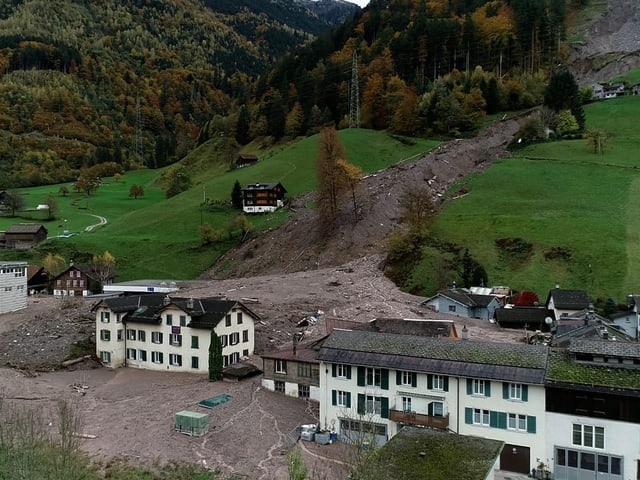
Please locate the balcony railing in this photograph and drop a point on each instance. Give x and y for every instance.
(413, 418)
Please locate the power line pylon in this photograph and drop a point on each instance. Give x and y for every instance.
(354, 94)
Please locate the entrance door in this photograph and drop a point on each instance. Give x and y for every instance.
(515, 458)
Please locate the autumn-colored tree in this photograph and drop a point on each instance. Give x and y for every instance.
(331, 181)
(136, 191)
(53, 264)
(87, 182)
(374, 104)
(52, 205)
(64, 191)
(352, 175)
(566, 123)
(117, 177)
(295, 121)
(526, 299)
(104, 266)
(405, 118)
(206, 234)
(176, 180)
(416, 207)
(598, 139)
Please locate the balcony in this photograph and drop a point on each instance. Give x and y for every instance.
(420, 419)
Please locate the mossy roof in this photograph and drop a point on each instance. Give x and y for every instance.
(563, 370)
(446, 456)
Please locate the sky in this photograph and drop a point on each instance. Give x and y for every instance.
(362, 3)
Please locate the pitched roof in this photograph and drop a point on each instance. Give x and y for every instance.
(569, 299)
(264, 186)
(607, 348)
(485, 360)
(523, 315)
(25, 228)
(465, 298)
(410, 326)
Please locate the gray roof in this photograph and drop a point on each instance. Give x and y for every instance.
(569, 299)
(607, 348)
(533, 316)
(465, 298)
(407, 326)
(495, 361)
(25, 228)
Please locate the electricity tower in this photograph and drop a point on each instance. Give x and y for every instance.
(138, 145)
(354, 94)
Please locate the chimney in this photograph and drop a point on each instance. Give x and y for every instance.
(295, 343)
(465, 333)
(166, 300)
(190, 303)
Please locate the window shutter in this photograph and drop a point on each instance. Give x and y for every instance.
(525, 393)
(333, 369)
(361, 376)
(398, 377)
(348, 399)
(505, 390)
(414, 379)
(502, 420)
(469, 386)
(531, 424)
(429, 381)
(384, 407)
(360, 404)
(468, 415)
(493, 419)
(446, 384)
(487, 388)
(348, 372)
(430, 409)
(384, 380)
(334, 401)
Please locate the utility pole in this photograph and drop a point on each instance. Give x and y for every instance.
(138, 145)
(354, 94)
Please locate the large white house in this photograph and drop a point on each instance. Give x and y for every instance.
(13, 286)
(159, 332)
(379, 382)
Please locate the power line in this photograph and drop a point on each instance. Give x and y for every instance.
(354, 100)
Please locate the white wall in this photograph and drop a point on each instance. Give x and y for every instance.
(13, 286)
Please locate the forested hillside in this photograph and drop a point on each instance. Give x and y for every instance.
(128, 83)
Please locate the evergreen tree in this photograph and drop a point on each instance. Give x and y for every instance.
(215, 358)
(243, 126)
(236, 196)
(563, 93)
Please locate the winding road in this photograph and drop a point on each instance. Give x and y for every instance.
(102, 221)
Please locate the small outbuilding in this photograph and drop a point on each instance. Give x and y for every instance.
(192, 423)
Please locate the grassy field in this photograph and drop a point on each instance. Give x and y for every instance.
(154, 237)
(578, 210)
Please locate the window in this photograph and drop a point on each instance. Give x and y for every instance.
(156, 337)
(304, 370)
(223, 340)
(105, 357)
(343, 399)
(438, 382)
(131, 353)
(515, 421)
(480, 417)
(303, 391)
(118, 318)
(227, 320)
(406, 404)
(104, 317)
(141, 335)
(436, 409)
(183, 320)
(245, 336)
(407, 379)
(225, 360)
(169, 319)
(105, 335)
(156, 357)
(373, 377)
(234, 338)
(239, 318)
(342, 371)
(119, 335)
(515, 391)
(452, 308)
(234, 357)
(373, 405)
(176, 340)
(175, 359)
(588, 435)
(195, 341)
(131, 334)
(245, 352)
(278, 386)
(81, 283)
(142, 355)
(194, 362)
(479, 387)
(281, 366)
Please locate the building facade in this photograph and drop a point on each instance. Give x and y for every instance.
(158, 332)
(13, 286)
(380, 382)
(263, 197)
(294, 372)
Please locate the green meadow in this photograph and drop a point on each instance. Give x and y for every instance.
(579, 211)
(155, 237)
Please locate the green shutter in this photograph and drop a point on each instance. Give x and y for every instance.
(398, 377)
(429, 382)
(333, 369)
(493, 419)
(384, 407)
(487, 388)
(384, 380)
(360, 404)
(469, 386)
(531, 424)
(361, 374)
(414, 379)
(334, 401)
(505, 390)
(348, 399)
(525, 394)
(468, 415)
(502, 420)
(446, 384)
(430, 409)
(348, 372)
